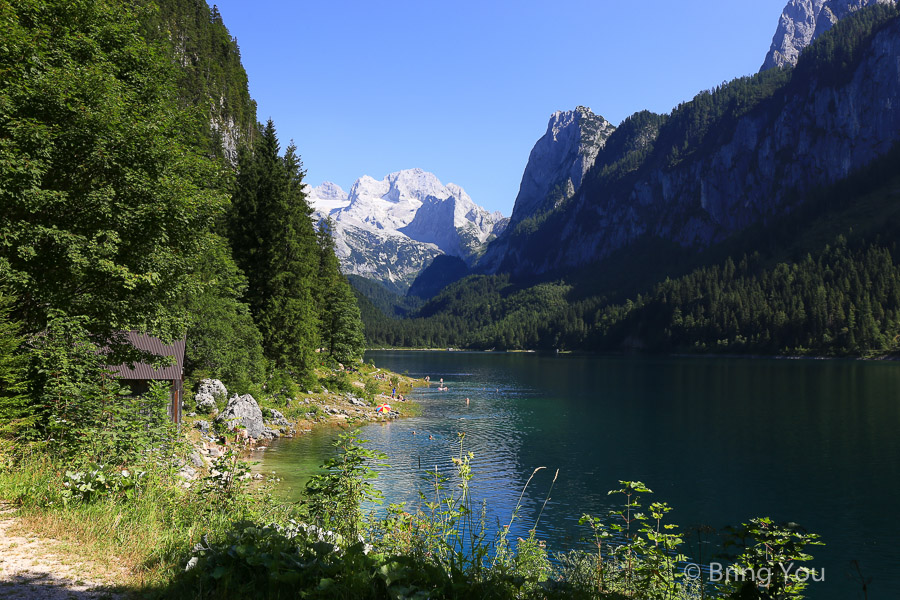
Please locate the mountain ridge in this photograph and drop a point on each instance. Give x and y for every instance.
(802, 21)
(733, 156)
(390, 230)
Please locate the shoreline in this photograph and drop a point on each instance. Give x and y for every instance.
(880, 358)
(344, 407)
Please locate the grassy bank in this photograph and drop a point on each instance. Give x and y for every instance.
(236, 541)
(223, 535)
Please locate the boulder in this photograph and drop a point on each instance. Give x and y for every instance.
(213, 387)
(196, 459)
(277, 418)
(243, 410)
(206, 404)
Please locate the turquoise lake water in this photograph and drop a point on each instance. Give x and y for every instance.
(721, 440)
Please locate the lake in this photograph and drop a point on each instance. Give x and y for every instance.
(721, 440)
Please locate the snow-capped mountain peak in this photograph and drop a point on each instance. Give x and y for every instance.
(391, 229)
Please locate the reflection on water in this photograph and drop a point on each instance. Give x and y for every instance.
(721, 440)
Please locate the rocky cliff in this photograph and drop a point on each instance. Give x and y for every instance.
(732, 157)
(555, 169)
(390, 230)
(803, 21)
(211, 75)
(559, 160)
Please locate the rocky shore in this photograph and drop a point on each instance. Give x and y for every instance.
(242, 424)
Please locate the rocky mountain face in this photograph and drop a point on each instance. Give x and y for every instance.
(212, 76)
(803, 21)
(559, 160)
(555, 169)
(390, 230)
(815, 125)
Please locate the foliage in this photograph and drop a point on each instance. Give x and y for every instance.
(377, 299)
(842, 48)
(767, 564)
(222, 339)
(96, 482)
(274, 243)
(445, 550)
(84, 414)
(341, 327)
(337, 382)
(106, 204)
(335, 497)
(844, 300)
(211, 76)
(15, 412)
(225, 485)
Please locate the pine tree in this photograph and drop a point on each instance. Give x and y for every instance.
(274, 243)
(341, 326)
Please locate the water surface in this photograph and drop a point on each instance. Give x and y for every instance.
(721, 440)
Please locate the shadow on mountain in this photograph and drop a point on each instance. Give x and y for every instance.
(443, 271)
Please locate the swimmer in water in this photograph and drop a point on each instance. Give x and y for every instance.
(467, 401)
(430, 437)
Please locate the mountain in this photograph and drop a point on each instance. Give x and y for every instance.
(555, 169)
(759, 218)
(736, 156)
(442, 271)
(802, 22)
(390, 230)
(559, 160)
(211, 76)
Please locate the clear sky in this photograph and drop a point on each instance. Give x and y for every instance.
(465, 88)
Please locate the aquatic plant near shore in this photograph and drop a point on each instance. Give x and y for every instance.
(444, 549)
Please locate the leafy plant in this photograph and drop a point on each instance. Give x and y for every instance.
(334, 498)
(225, 484)
(98, 482)
(767, 564)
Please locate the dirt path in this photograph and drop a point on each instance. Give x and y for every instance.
(32, 568)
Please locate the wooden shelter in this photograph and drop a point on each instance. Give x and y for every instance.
(138, 376)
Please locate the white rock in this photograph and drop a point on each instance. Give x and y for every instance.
(390, 230)
(213, 387)
(803, 21)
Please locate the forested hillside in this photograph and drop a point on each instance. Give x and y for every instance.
(818, 281)
(210, 76)
(814, 277)
(734, 156)
(123, 209)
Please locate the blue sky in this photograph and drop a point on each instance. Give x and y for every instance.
(464, 89)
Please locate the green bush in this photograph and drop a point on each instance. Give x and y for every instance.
(338, 381)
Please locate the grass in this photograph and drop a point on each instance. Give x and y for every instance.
(140, 543)
(439, 550)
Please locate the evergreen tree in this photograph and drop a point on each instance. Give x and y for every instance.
(274, 243)
(341, 326)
